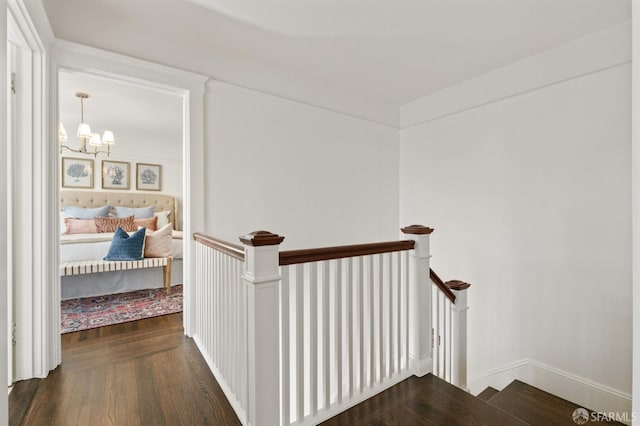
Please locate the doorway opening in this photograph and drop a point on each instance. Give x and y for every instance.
(127, 173)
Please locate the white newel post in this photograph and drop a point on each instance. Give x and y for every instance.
(420, 348)
(262, 280)
(459, 333)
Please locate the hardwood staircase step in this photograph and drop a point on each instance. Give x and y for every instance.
(424, 400)
(536, 406)
(488, 393)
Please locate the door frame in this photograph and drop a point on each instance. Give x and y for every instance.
(30, 263)
(69, 56)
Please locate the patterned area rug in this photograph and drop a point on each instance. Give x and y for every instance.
(93, 312)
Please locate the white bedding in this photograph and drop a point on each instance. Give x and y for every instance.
(77, 247)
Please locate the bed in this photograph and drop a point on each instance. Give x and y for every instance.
(90, 247)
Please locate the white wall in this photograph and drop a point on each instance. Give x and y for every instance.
(315, 176)
(635, 167)
(528, 188)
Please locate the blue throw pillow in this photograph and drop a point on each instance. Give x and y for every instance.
(85, 213)
(138, 212)
(125, 246)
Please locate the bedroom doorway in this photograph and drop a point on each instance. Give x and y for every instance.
(126, 171)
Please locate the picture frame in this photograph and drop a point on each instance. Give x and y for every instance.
(148, 177)
(77, 173)
(115, 175)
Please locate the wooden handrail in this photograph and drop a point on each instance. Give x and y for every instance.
(233, 250)
(442, 286)
(291, 257)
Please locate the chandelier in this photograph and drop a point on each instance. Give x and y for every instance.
(86, 137)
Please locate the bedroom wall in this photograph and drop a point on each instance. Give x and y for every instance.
(315, 176)
(147, 125)
(525, 175)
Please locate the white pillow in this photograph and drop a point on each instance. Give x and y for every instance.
(158, 243)
(163, 218)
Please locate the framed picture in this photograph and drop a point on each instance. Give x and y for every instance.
(77, 173)
(149, 177)
(115, 175)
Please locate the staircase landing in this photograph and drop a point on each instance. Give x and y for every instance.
(424, 400)
(431, 401)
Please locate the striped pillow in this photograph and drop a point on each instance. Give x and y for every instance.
(110, 224)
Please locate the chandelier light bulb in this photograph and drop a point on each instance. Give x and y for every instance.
(95, 140)
(84, 131)
(62, 133)
(108, 138)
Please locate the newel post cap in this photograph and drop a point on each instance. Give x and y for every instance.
(261, 238)
(416, 230)
(457, 285)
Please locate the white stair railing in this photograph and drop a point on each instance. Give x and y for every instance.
(296, 337)
(449, 333)
(345, 331)
(220, 316)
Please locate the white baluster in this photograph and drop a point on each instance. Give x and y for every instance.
(371, 323)
(326, 335)
(285, 397)
(313, 337)
(349, 287)
(299, 288)
(361, 363)
(338, 327)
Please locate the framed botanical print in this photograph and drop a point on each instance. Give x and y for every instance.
(148, 177)
(115, 175)
(77, 173)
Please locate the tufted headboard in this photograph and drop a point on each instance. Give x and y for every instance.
(125, 199)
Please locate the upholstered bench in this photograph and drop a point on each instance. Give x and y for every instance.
(96, 266)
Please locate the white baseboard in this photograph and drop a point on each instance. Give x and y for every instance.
(500, 377)
(571, 387)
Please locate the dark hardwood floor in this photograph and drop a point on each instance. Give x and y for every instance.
(488, 393)
(148, 373)
(139, 373)
(424, 401)
(538, 407)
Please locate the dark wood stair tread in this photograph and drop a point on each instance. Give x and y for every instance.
(536, 406)
(424, 400)
(488, 393)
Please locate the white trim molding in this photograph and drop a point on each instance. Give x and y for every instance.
(4, 417)
(191, 86)
(564, 384)
(635, 199)
(587, 55)
(30, 194)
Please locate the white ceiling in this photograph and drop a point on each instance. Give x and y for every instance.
(343, 54)
(132, 112)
